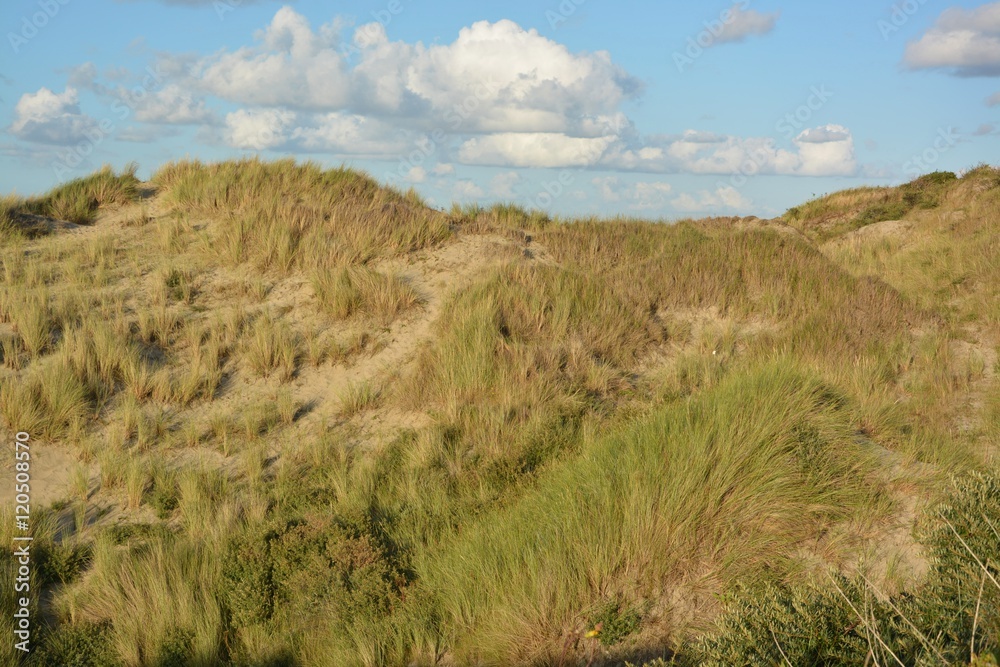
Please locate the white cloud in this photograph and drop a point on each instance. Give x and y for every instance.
(174, 106)
(746, 22)
(292, 66)
(344, 133)
(502, 185)
(826, 151)
(443, 169)
(725, 197)
(416, 175)
(965, 41)
(495, 77)
(258, 130)
(466, 189)
(609, 188)
(51, 118)
(536, 149)
(822, 151)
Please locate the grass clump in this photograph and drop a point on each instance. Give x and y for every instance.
(79, 200)
(271, 347)
(346, 291)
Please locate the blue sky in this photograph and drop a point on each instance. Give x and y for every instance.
(663, 109)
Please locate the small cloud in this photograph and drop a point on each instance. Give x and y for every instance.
(259, 129)
(725, 197)
(993, 100)
(416, 175)
(699, 137)
(824, 135)
(984, 130)
(871, 144)
(964, 41)
(503, 184)
(746, 22)
(443, 169)
(466, 189)
(640, 196)
(51, 118)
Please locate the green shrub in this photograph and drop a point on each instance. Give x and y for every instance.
(62, 563)
(614, 621)
(77, 645)
(248, 592)
(953, 618)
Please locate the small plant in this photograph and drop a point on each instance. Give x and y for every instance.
(613, 622)
(272, 347)
(358, 398)
(179, 285)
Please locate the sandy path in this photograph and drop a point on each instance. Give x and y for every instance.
(435, 275)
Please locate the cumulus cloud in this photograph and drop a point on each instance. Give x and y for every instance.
(534, 149)
(964, 41)
(51, 118)
(993, 100)
(258, 129)
(346, 133)
(292, 66)
(416, 175)
(495, 77)
(746, 22)
(443, 169)
(173, 106)
(822, 151)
